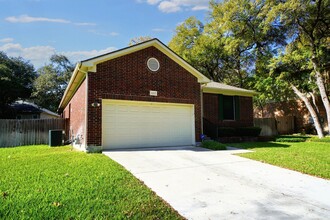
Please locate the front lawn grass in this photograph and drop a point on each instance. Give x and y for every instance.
(307, 157)
(39, 182)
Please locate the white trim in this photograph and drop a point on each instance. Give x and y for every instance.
(220, 88)
(153, 59)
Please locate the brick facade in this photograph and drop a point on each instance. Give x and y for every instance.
(75, 111)
(211, 111)
(128, 78)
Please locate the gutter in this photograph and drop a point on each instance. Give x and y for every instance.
(68, 90)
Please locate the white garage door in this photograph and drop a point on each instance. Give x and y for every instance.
(133, 124)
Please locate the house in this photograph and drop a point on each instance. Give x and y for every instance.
(145, 95)
(26, 110)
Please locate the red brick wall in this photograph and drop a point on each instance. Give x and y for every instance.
(211, 112)
(128, 78)
(77, 114)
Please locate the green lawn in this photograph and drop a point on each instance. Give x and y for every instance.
(39, 182)
(307, 157)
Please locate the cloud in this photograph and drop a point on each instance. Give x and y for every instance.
(30, 19)
(159, 30)
(6, 40)
(153, 2)
(101, 33)
(84, 24)
(200, 7)
(85, 54)
(39, 55)
(171, 6)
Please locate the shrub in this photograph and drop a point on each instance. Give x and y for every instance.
(291, 138)
(213, 145)
(248, 131)
(226, 132)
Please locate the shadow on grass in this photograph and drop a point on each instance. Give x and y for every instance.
(174, 148)
(251, 145)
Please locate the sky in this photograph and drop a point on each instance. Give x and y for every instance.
(81, 29)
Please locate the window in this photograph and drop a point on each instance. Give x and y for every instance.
(153, 64)
(229, 107)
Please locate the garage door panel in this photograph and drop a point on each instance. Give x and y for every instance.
(129, 124)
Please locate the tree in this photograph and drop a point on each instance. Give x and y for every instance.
(277, 47)
(308, 25)
(137, 40)
(52, 81)
(16, 79)
(293, 70)
(233, 45)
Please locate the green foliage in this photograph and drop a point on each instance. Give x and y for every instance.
(16, 78)
(226, 132)
(240, 132)
(52, 81)
(267, 46)
(235, 43)
(248, 131)
(291, 138)
(39, 182)
(306, 157)
(213, 145)
(187, 35)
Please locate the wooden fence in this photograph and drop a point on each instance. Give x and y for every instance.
(275, 126)
(285, 125)
(28, 131)
(267, 125)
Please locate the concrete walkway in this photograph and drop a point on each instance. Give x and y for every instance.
(203, 184)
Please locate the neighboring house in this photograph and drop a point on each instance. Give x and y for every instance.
(27, 110)
(147, 96)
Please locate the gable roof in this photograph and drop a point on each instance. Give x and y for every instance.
(90, 65)
(28, 107)
(220, 88)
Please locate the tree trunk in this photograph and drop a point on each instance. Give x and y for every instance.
(323, 93)
(311, 110)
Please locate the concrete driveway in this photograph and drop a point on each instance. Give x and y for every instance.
(203, 184)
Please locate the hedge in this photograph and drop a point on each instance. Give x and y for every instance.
(242, 131)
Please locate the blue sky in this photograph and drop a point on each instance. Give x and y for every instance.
(80, 29)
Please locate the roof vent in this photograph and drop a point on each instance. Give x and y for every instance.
(153, 64)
